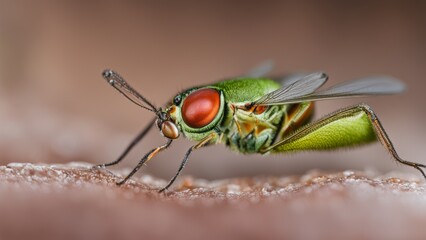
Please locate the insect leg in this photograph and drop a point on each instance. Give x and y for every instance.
(202, 143)
(386, 142)
(347, 127)
(145, 158)
(130, 146)
(343, 128)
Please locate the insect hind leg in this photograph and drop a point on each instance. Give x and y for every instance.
(385, 140)
(344, 128)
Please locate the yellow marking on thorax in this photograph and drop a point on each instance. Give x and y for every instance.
(297, 116)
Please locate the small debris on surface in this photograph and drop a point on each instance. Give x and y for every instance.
(75, 201)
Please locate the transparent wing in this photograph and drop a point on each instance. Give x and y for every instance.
(297, 89)
(290, 78)
(378, 85)
(370, 85)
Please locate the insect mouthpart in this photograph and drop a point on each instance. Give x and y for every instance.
(169, 129)
(166, 125)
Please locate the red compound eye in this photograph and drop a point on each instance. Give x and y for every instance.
(201, 107)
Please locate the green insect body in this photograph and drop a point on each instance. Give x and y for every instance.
(259, 115)
(233, 125)
(247, 132)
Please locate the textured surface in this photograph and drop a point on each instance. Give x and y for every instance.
(74, 202)
(55, 107)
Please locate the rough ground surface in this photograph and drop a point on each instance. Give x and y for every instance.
(75, 202)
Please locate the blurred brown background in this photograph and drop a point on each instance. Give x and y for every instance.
(55, 107)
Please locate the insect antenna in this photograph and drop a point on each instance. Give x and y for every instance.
(118, 82)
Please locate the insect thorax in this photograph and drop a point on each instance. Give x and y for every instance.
(250, 131)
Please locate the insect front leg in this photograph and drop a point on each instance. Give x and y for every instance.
(130, 146)
(202, 143)
(145, 158)
(344, 128)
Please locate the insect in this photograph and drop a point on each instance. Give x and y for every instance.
(255, 114)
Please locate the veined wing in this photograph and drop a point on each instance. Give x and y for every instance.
(378, 85)
(297, 89)
(289, 78)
